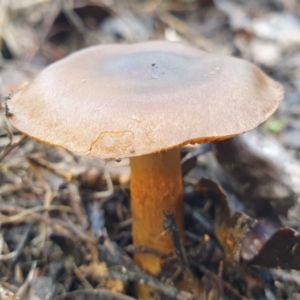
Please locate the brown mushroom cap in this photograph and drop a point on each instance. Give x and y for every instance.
(115, 101)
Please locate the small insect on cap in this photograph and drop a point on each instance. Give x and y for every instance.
(115, 101)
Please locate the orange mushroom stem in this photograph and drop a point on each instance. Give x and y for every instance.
(156, 185)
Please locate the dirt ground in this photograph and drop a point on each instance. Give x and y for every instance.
(65, 218)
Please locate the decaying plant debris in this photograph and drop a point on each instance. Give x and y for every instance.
(65, 219)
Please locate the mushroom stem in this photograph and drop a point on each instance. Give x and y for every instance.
(156, 185)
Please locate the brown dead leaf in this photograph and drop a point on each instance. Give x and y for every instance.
(282, 250)
(230, 228)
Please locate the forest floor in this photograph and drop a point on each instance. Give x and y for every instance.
(65, 218)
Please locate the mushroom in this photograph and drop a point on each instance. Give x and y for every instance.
(144, 101)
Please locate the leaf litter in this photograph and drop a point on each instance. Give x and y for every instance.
(65, 219)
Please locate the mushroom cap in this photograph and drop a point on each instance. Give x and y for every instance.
(115, 101)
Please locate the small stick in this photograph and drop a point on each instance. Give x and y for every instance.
(12, 288)
(29, 212)
(157, 285)
(142, 249)
(65, 228)
(10, 145)
(39, 162)
(183, 29)
(128, 271)
(98, 293)
(24, 287)
(76, 204)
(81, 277)
(73, 176)
(225, 284)
(171, 227)
(21, 244)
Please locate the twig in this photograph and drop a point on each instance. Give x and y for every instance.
(47, 199)
(157, 285)
(206, 224)
(130, 272)
(123, 224)
(8, 286)
(9, 188)
(142, 249)
(73, 176)
(170, 225)
(27, 212)
(83, 280)
(99, 293)
(13, 256)
(21, 244)
(110, 186)
(216, 278)
(23, 288)
(73, 18)
(180, 26)
(167, 258)
(77, 23)
(76, 204)
(39, 162)
(10, 145)
(46, 25)
(66, 229)
(147, 7)
(233, 291)
(201, 150)
(77, 230)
